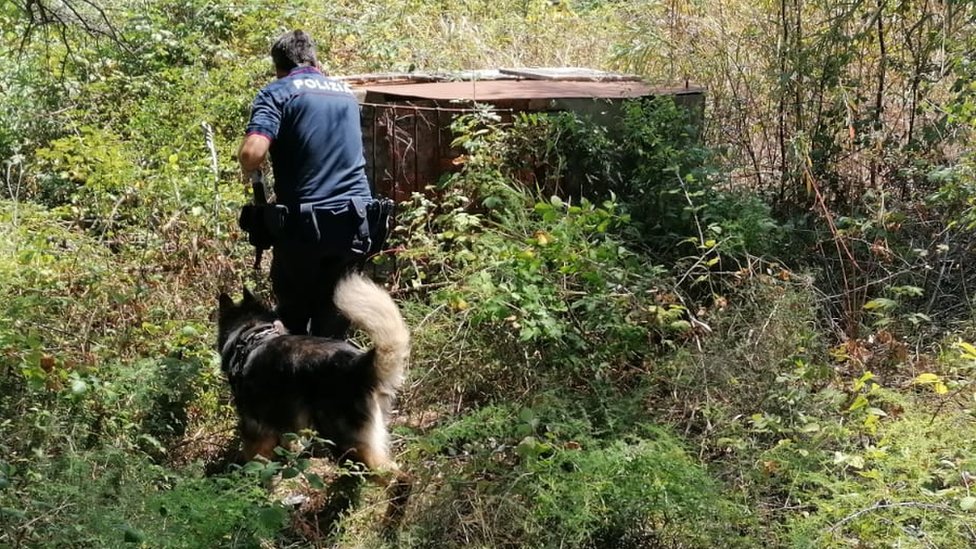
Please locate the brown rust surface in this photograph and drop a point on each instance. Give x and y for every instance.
(496, 90)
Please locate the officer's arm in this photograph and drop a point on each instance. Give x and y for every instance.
(252, 152)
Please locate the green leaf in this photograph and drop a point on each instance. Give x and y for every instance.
(861, 381)
(269, 471)
(252, 467)
(967, 503)
(131, 535)
(880, 304)
(289, 472)
(78, 386)
(528, 447)
(272, 518)
(315, 481)
(860, 402)
(911, 291)
(680, 325)
(15, 513)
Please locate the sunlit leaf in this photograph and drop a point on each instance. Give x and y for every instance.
(880, 304)
(967, 503)
(926, 378)
(968, 350)
(860, 402)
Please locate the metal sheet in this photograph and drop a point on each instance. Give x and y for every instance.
(566, 73)
(500, 90)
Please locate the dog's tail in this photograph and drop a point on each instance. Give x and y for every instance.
(371, 309)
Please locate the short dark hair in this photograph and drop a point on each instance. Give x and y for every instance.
(294, 49)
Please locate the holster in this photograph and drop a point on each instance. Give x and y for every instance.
(350, 226)
(263, 223)
(380, 214)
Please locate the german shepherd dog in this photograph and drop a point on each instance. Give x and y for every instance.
(284, 383)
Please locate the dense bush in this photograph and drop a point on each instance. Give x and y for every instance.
(113, 498)
(650, 157)
(555, 474)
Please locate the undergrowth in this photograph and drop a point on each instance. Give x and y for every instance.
(615, 342)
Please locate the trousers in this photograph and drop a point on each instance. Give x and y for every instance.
(303, 278)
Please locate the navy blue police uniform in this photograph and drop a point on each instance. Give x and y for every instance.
(313, 123)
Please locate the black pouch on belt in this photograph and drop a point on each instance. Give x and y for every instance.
(338, 226)
(379, 213)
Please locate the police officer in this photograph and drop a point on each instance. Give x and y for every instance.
(310, 125)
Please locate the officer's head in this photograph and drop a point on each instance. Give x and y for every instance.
(293, 49)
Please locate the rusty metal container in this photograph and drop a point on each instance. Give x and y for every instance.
(407, 117)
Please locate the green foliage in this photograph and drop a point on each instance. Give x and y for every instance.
(956, 194)
(570, 481)
(110, 498)
(903, 485)
(563, 154)
(649, 156)
(674, 191)
(629, 493)
(605, 352)
(596, 274)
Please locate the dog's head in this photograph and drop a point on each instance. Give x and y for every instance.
(231, 316)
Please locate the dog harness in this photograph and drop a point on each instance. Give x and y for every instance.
(248, 341)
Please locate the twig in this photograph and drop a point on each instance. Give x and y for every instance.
(208, 137)
(200, 436)
(424, 287)
(949, 397)
(879, 506)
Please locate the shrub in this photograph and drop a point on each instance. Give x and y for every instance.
(548, 476)
(111, 498)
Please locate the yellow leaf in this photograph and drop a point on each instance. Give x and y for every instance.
(861, 381)
(927, 378)
(940, 388)
(860, 402)
(968, 351)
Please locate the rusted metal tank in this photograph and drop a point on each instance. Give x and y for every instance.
(407, 117)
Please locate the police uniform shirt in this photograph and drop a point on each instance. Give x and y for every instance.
(313, 124)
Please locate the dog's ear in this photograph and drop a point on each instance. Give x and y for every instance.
(249, 297)
(225, 302)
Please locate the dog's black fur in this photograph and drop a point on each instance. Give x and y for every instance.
(284, 383)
